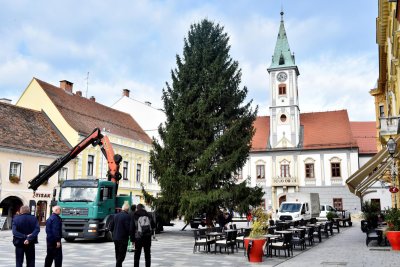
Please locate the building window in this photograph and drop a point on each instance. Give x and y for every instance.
(90, 165)
(138, 172)
(309, 170)
(150, 175)
(62, 175)
(125, 170)
(282, 89)
(285, 170)
(260, 171)
(283, 118)
(338, 203)
(335, 167)
(381, 111)
(15, 172)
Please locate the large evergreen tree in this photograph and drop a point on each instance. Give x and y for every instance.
(207, 136)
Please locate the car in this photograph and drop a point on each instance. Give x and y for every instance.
(325, 208)
(197, 221)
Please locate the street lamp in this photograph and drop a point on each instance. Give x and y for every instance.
(391, 146)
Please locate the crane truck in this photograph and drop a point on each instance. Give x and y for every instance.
(87, 205)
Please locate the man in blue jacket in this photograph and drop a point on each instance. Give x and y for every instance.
(25, 229)
(53, 239)
(120, 227)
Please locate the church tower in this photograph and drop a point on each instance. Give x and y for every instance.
(284, 110)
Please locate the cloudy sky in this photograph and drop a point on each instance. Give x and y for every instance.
(133, 44)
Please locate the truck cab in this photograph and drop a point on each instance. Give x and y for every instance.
(87, 206)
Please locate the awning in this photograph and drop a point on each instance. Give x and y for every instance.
(370, 172)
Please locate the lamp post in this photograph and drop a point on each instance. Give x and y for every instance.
(391, 146)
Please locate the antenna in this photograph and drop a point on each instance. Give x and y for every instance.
(87, 84)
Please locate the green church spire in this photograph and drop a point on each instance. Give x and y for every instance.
(282, 57)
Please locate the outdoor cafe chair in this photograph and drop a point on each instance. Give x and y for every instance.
(201, 242)
(318, 232)
(285, 245)
(310, 235)
(299, 239)
(228, 242)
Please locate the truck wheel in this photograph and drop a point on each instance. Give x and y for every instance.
(108, 236)
(69, 239)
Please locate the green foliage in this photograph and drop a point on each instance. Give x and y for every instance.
(330, 215)
(370, 212)
(260, 224)
(392, 217)
(207, 135)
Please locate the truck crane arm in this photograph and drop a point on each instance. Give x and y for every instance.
(95, 138)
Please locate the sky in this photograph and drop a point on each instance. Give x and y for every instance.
(106, 46)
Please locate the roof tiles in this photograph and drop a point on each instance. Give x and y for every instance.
(84, 114)
(29, 130)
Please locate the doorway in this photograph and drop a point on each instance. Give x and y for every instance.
(41, 209)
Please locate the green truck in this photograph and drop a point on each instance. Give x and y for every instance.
(87, 205)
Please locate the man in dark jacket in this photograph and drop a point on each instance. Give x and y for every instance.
(53, 239)
(120, 228)
(142, 240)
(25, 229)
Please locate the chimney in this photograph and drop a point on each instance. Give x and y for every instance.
(66, 85)
(78, 93)
(5, 100)
(148, 103)
(125, 92)
(93, 98)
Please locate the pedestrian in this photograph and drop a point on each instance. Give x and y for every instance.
(25, 229)
(120, 227)
(142, 235)
(249, 218)
(53, 239)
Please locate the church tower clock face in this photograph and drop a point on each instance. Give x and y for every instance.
(282, 76)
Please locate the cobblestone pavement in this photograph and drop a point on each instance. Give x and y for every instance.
(175, 248)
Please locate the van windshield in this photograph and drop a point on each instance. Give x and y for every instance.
(290, 207)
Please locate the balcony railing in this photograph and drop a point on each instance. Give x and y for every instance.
(281, 181)
(388, 125)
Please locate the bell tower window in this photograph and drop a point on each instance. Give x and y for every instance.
(282, 89)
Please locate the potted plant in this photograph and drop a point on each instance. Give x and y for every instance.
(370, 212)
(255, 242)
(14, 179)
(331, 215)
(392, 217)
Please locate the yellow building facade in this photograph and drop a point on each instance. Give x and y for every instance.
(76, 117)
(386, 93)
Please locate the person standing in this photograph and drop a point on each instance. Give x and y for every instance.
(142, 234)
(120, 228)
(53, 239)
(25, 229)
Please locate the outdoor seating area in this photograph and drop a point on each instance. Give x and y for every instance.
(282, 240)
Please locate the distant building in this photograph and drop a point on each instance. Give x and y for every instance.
(76, 117)
(147, 116)
(29, 143)
(302, 152)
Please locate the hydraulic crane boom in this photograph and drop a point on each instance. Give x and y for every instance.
(95, 138)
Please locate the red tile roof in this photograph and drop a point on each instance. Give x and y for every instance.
(322, 130)
(29, 130)
(260, 138)
(84, 114)
(366, 136)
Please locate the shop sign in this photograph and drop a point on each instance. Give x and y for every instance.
(41, 195)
